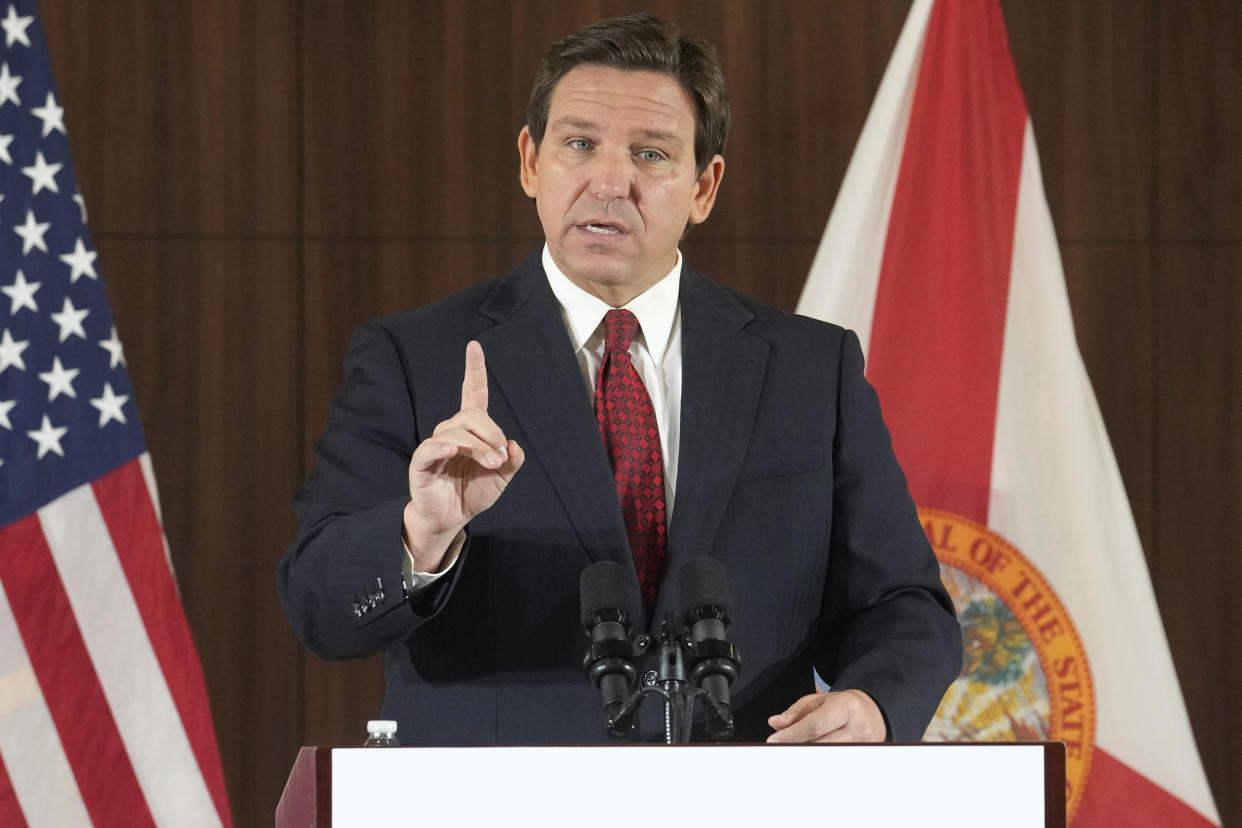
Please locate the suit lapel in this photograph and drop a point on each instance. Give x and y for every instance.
(530, 357)
(532, 362)
(722, 376)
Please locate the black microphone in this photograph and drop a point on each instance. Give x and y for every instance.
(703, 592)
(609, 605)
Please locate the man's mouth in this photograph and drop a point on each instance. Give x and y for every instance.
(602, 229)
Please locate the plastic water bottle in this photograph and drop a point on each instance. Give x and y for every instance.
(381, 733)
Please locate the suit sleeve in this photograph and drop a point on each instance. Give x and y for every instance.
(889, 624)
(340, 583)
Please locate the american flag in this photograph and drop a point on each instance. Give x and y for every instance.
(104, 717)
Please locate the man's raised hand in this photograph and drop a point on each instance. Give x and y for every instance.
(457, 472)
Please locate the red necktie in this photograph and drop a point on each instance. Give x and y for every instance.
(632, 439)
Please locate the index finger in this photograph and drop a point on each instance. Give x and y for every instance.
(474, 385)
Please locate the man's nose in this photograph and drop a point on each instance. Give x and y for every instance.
(611, 175)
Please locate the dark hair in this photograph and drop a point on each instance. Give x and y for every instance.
(637, 42)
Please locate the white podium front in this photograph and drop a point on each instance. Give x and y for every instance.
(1019, 785)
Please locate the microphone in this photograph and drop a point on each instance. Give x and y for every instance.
(703, 592)
(609, 605)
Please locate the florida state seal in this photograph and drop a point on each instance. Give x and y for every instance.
(1025, 675)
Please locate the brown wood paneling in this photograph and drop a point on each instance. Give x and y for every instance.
(211, 337)
(406, 136)
(1198, 570)
(182, 116)
(773, 270)
(338, 699)
(1198, 127)
(797, 110)
(411, 119)
(1088, 72)
(1110, 292)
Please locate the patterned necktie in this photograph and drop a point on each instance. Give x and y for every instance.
(632, 439)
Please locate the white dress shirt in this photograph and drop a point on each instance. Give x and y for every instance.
(655, 353)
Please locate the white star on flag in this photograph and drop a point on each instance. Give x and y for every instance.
(81, 261)
(5, 407)
(109, 405)
(8, 86)
(32, 233)
(48, 438)
(15, 28)
(81, 202)
(42, 174)
(59, 380)
(70, 320)
(11, 352)
(53, 116)
(113, 346)
(5, 140)
(22, 294)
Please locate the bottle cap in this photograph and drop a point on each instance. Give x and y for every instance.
(382, 726)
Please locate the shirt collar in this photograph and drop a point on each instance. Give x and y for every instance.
(655, 308)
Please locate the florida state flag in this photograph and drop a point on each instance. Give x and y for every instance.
(940, 253)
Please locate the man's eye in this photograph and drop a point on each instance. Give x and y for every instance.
(580, 144)
(651, 155)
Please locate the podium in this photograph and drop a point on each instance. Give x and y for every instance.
(928, 784)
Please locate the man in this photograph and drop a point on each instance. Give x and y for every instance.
(451, 512)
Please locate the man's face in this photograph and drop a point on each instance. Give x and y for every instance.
(614, 179)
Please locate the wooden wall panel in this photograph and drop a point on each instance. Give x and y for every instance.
(337, 700)
(182, 116)
(1089, 70)
(1198, 127)
(796, 113)
(405, 135)
(212, 343)
(1198, 504)
(411, 120)
(762, 268)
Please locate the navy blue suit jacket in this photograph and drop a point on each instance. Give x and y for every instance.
(786, 475)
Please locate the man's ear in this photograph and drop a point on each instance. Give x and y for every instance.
(705, 190)
(528, 155)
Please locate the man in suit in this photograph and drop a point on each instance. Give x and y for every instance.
(451, 511)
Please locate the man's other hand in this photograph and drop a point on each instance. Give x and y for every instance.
(843, 716)
(457, 472)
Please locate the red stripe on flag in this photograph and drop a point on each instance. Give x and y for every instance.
(10, 809)
(67, 678)
(938, 328)
(1116, 794)
(130, 516)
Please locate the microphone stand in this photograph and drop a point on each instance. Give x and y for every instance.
(666, 676)
(673, 683)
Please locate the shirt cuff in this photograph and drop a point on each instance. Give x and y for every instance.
(416, 582)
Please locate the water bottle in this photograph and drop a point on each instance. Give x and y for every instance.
(381, 733)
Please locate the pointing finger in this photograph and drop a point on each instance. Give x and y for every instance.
(474, 385)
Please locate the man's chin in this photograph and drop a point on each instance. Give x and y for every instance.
(605, 268)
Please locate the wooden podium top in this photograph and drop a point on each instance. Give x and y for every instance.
(929, 784)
